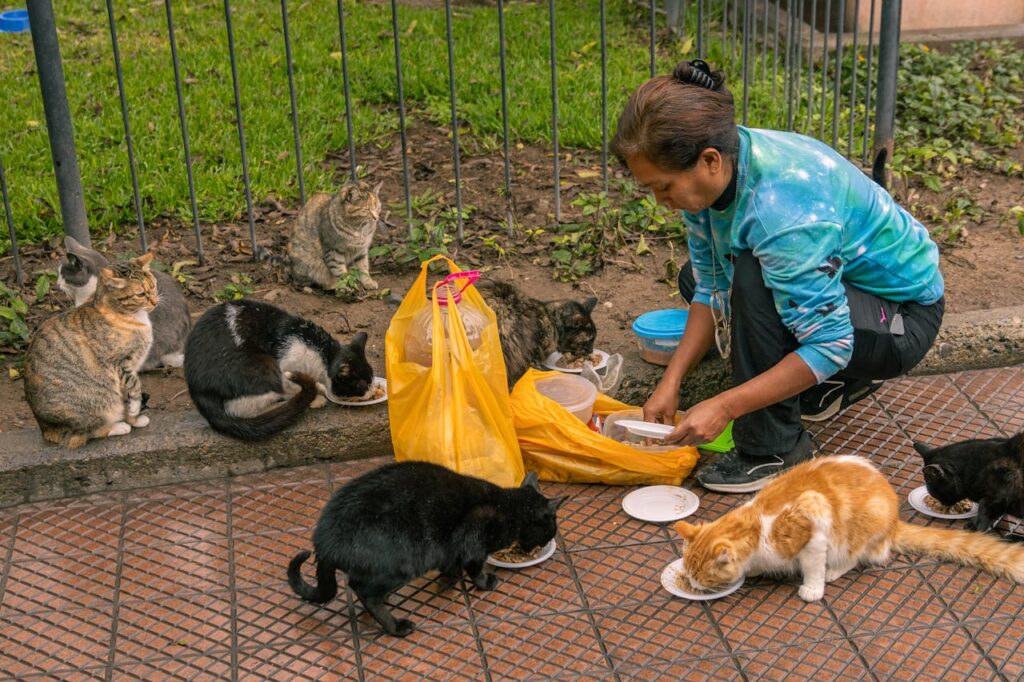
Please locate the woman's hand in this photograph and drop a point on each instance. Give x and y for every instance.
(701, 424)
(661, 406)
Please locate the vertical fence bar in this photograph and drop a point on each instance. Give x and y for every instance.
(853, 78)
(824, 69)
(789, 66)
(811, 30)
(775, 53)
(888, 63)
(732, 35)
(184, 133)
(58, 119)
(127, 129)
(725, 31)
(455, 120)
(764, 43)
(839, 73)
(798, 55)
(291, 95)
(401, 113)
(700, 29)
(554, 110)
(652, 40)
(240, 125)
(348, 93)
(867, 83)
(604, 95)
(19, 276)
(504, 115)
(746, 58)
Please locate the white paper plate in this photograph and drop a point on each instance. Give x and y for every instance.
(916, 499)
(549, 549)
(660, 503)
(377, 381)
(670, 581)
(646, 429)
(551, 362)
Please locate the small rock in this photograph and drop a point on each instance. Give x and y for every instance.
(945, 350)
(607, 304)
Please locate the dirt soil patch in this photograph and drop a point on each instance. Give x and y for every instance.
(984, 269)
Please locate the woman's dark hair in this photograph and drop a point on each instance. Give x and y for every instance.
(670, 120)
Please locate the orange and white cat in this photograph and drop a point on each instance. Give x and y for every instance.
(821, 519)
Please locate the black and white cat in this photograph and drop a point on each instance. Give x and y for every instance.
(252, 368)
(402, 520)
(79, 272)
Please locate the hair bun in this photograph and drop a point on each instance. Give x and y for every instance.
(697, 72)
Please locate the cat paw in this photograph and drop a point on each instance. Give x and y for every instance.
(812, 592)
(834, 574)
(486, 581)
(368, 283)
(141, 421)
(318, 402)
(173, 360)
(120, 429)
(403, 626)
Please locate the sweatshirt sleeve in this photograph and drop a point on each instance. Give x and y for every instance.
(707, 278)
(802, 267)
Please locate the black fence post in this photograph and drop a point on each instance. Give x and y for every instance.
(885, 102)
(58, 120)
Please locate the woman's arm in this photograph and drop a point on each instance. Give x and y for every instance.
(698, 337)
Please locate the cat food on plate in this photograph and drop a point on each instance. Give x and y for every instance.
(565, 362)
(378, 393)
(926, 504)
(673, 579)
(513, 557)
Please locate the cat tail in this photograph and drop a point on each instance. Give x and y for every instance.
(326, 581)
(264, 256)
(970, 548)
(262, 425)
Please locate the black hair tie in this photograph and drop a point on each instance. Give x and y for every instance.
(700, 74)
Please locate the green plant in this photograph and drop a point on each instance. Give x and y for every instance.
(240, 286)
(14, 332)
(1016, 214)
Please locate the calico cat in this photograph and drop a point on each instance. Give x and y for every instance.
(402, 520)
(822, 518)
(79, 272)
(987, 471)
(81, 369)
(332, 234)
(252, 369)
(530, 330)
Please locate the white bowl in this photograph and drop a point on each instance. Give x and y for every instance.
(670, 581)
(549, 549)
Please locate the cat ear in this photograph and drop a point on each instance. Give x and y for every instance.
(723, 554)
(145, 259)
(111, 279)
(687, 531)
(358, 342)
(555, 502)
(84, 253)
(921, 448)
(589, 304)
(530, 481)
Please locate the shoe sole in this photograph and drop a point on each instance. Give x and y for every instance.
(751, 487)
(829, 412)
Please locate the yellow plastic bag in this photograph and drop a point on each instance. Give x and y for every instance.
(456, 412)
(559, 447)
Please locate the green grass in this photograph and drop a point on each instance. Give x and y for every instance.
(210, 110)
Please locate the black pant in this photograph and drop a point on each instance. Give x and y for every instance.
(760, 341)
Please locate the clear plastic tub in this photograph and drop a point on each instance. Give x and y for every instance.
(572, 392)
(658, 333)
(610, 429)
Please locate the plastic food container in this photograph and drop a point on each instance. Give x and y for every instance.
(572, 392)
(611, 429)
(419, 338)
(658, 333)
(14, 21)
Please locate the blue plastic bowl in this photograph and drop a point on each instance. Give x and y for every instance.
(14, 21)
(658, 333)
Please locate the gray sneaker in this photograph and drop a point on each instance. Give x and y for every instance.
(734, 472)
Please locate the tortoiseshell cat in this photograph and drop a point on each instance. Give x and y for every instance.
(402, 520)
(170, 319)
(252, 368)
(821, 519)
(988, 471)
(332, 235)
(81, 370)
(530, 329)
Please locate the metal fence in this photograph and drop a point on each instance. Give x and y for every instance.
(829, 75)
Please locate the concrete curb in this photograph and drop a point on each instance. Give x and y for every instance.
(180, 446)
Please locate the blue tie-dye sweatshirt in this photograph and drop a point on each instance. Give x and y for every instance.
(813, 220)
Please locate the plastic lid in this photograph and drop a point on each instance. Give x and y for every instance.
(668, 323)
(446, 291)
(568, 390)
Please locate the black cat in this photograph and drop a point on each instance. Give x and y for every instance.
(530, 329)
(252, 368)
(398, 522)
(987, 471)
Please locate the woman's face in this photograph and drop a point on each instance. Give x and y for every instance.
(690, 190)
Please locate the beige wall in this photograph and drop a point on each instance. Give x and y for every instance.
(930, 14)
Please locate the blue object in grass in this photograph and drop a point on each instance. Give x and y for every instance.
(14, 21)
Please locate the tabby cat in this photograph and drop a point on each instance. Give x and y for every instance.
(402, 520)
(81, 369)
(79, 272)
(988, 471)
(822, 518)
(332, 235)
(252, 368)
(530, 330)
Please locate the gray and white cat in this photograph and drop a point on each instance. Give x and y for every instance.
(79, 272)
(332, 235)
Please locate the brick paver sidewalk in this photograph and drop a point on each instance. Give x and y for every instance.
(187, 582)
